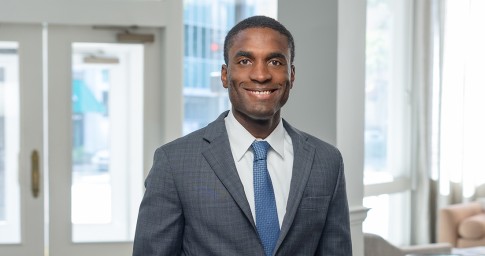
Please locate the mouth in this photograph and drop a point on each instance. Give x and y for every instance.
(261, 92)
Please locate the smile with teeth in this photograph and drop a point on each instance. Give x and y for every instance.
(261, 92)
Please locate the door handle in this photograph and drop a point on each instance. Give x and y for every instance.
(35, 172)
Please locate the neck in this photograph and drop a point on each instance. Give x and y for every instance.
(259, 128)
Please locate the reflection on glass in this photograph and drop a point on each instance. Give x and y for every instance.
(205, 25)
(378, 69)
(9, 144)
(106, 139)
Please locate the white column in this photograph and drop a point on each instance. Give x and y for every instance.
(327, 99)
(351, 107)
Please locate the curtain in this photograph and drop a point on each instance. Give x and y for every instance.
(449, 109)
(426, 52)
(462, 120)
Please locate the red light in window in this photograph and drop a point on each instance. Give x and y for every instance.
(214, 47)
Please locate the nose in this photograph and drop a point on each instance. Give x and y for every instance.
(260, 73)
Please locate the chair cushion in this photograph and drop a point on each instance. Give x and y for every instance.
(472, 227)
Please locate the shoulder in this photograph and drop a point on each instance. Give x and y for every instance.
(199, 139)
(321, 146)
(182, 145)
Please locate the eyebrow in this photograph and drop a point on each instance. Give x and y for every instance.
(276, 55)
(272, 55)
(243, 54)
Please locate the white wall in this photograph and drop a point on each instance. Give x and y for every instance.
(313, 101)
(327, 99)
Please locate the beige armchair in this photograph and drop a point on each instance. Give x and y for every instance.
(462, 225)
(375, 245)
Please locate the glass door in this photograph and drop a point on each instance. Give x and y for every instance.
(96, 140)
(21, 144)
(73, 143)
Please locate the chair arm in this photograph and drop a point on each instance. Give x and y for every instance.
(450, 217)
(428, 248)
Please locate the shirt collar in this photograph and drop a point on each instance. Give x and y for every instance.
(242, 139)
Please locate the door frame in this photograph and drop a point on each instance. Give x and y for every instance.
(60, 42)
(29, 38)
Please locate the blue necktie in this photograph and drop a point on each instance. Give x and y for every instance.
(266, 214)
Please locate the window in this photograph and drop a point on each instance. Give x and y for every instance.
(387, 126)
(104, 184)
(9, 144)
(205, 27)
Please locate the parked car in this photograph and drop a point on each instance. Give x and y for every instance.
(100, 161)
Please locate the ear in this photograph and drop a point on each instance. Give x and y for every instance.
(224, 75)
(292, 75)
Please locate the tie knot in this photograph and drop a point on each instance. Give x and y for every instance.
(260, 149)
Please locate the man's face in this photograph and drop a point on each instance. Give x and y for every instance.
(258, 74)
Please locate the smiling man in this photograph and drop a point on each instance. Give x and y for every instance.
(248, 183)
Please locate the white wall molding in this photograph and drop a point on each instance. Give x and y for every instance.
(358, 215)
(78, 12)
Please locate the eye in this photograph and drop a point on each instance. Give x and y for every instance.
(275, 62)
(245, 62)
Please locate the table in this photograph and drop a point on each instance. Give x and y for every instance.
(434, 254)
(471, 251)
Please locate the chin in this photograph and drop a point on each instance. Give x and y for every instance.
(263, 115)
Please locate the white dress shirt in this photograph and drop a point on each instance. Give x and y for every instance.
(279, 161)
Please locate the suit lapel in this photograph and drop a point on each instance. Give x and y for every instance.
(304, 154)
(219, 157)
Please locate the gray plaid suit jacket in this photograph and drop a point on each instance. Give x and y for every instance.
(194, 203)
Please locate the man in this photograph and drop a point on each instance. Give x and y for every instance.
(248, 183)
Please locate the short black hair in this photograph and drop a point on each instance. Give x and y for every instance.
(258, 22)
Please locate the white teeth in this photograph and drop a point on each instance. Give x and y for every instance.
(261, 92)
